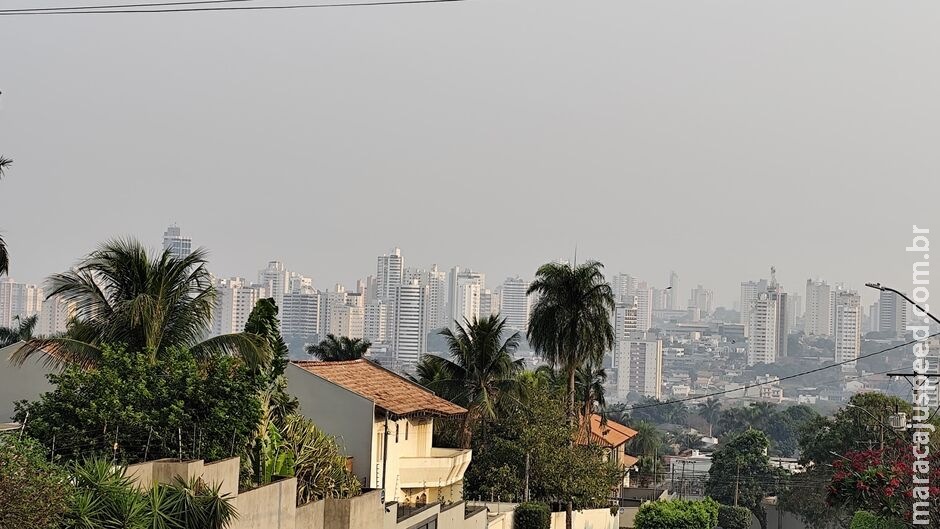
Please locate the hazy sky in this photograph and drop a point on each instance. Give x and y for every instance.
(713, 138)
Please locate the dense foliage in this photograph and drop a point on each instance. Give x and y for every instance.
(558, 470)
(335, 349)
(731, 517)
(741, 473)
(532, 515)
(25, 476)
(677, 514)
(316, 461)
(134, 407)
(867, 520)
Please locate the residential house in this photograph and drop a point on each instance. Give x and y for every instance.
(613, 436)
(386, 424)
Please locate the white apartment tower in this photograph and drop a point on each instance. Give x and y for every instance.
(641, 366)
(625, 327)
(389, 271)
(892, 314)
(174, 241)
(644, 307)
(376, 321)
(18, 300)
(749, 292)
(702, 299)
(673, 298)
(235, 299)
(817, 320)
(490, 303)
(410, 334)
(846, 325)
(54, 316)
(276, 280)
(466, 287)
(300, 314)
(762, 330)
(514, 303)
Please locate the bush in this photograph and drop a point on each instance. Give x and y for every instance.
(678, 514)
(731, 517)
(34, 493)
(867, 520)
(532, 515)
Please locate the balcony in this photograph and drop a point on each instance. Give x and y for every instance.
(444, 467)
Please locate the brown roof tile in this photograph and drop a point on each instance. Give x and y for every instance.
(611, 434)
(389, 391)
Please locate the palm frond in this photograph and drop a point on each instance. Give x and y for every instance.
(253, 349)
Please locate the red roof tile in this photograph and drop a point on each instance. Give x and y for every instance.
(610, 434)
(386, 389)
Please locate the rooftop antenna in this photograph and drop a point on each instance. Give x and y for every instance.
(773, 275)
(575, 256)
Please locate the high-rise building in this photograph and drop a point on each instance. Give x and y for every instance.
(235, 299)
(18, 301)
(376, 321)
(347, 319)
(54, 316)
(410, 334)
(300, 314)
(389, 272)
(762, 330)
(892, 314)
(174, 241)
(673, 297)
(749, 292)
(489, 303)
(275, 279)
(514, 303)
(817, 320)
(644, 308)
(702, 299)
(874, 316)
(640, 370)
(465, 289)
(435, 280)
(624, 286)
(846, 325)
(625, 326)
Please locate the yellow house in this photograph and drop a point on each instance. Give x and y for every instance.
(386, 424)
(613, 437)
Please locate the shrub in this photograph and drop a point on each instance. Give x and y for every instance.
(731, 517)
(33, 492)
(678, 514)
(867, 520)
(532, 515)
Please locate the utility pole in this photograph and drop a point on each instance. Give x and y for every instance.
(737, 480)
(527, 456)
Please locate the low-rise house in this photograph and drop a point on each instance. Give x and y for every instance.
(386, 424)
(614, 437)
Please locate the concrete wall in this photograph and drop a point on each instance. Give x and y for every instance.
(338, 412)
(225, 473)
(310, 516)
(18, 383)
(140, 474)
(786, 520)
(361, 512)
(167, 470)
(272, 506)
(587, 519)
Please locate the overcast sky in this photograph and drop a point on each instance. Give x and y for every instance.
(712, 138)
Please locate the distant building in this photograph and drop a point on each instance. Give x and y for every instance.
(846, 325)
(54, 316)
(235, 299)
(464, 291)
(174, 241)
(640, 366)
(300, 314)
(514, 303)
(390, 269)
(702, 299)
(762, 330)
(18, 301)
(673, 297)
(892, 314)
(817, 321)
(489, 303)
(275, 279)
(410, 334)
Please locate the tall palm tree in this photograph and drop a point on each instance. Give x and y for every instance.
(482, 369)
(589, 384)
(22, 332)
(4, 256)
(570, 322)
(710, 410)
(335, 349)
(148, 303)
(647, 444)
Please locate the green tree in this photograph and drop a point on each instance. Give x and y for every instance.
(570, 323)
(150, 304)
(133, 410)
(731, 517)
(23, 331)
(589, 385)
(335, 349)
(4, 255)
(647, 444)
(318, 464)
(481, 370)
(263, 322)
(710, 410)
(677, 514)
(34, 493)
(532, 515)
(741, 473)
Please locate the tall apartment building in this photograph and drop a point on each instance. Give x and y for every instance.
(375, 322)
(624, 286)
(640, 370)
(817, 320)
(300, 314)
(235, 299)
(347, 319)
(749, 292)
(410, 334)
(18, 300)
(275, 279)
(846, 325)
(465, 288)
(892, 314)
(702, 299)
(514, 303)
(174, 241)
(54, 316)
(673, 297)
(625, 326)
(762, 330)
(644, 308)
(389, 273)
(435, 280)
(489, 303)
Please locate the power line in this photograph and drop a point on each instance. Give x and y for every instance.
(119, 6)
(230, 8)
(780, 379)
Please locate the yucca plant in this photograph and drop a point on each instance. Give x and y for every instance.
(319, 466)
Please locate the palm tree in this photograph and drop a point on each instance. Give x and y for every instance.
(23, 331)
(589, 384)
(4, 256)
(148, 303)
(647, 444)
(570, 322)
(335, 349)
(481, 371)
(710, 410)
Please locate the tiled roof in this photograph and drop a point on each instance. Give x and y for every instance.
(610, 434)
(386, 389)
